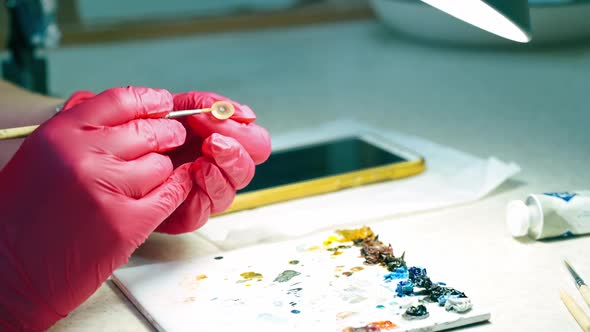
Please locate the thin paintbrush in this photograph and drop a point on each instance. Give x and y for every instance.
(221, 110)
(582, 287)
(576, 311)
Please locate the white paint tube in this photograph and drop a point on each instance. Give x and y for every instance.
(550, 215)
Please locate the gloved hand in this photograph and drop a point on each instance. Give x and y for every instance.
(86, 189)
(194, 212)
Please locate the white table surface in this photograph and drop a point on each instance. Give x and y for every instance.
(523, 105)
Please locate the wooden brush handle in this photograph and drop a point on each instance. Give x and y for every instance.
(585, 291)
(18, 132)
(576, 311)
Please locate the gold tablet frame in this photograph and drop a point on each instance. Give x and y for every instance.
(415, 165)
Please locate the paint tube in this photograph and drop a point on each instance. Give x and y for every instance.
(550, 215)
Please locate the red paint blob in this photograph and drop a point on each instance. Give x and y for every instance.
(373, 327)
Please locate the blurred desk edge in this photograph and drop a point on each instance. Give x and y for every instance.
(74, 32)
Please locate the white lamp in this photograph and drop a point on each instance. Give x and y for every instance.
(506, 18)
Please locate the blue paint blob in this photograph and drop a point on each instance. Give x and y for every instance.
(404, 288)
(389, 277)
(442, 283)
(568, 233)
(416, 272)
(295, 311)
(419, 277)
(399, 273)
(402, 271)
(566, 196)
(381, 306)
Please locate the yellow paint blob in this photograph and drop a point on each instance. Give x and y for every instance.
(349, 235)
(331, 239)
(251, 275)
(201, 277)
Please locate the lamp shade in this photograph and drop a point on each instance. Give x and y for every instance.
(506, 18)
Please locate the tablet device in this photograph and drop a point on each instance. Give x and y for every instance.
(326, 166)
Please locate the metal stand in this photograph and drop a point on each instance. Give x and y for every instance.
(27, 70)
(32, 29)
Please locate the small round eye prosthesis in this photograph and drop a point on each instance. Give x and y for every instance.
(222, 110)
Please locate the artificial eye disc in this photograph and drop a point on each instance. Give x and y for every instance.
(222, 110)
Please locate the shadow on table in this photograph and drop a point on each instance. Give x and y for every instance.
(528, 240)
(160, 248)
(130, 306)
(565, 238)
(507, 186)
(470, 326)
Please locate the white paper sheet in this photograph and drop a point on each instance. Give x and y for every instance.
(318, 291)
(452, 177)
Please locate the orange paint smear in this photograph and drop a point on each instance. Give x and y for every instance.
(383, 325)
(192, 283)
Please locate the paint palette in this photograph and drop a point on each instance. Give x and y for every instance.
(310, 284)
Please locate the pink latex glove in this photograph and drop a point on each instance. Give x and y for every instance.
(86, 189)
(255, 139)
(213, 194)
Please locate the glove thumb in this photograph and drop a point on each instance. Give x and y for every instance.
(77, 98)
(163, 200)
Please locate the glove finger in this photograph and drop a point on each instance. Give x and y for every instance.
(77, 98)
(187, 152)
(144, 174)
(214, 184)
(212, 194)
(197, 100)
(161, 202)
(191, 215)
(139, 137)
(253, 138)
(231, 158)
(119, 105)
